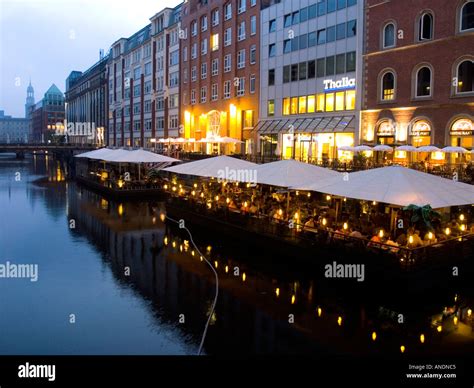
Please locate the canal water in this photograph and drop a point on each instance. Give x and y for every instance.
(114, 278)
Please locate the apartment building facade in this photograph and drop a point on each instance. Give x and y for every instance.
(220, 71)
(419, 75)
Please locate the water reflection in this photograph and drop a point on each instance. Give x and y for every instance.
(261, 308)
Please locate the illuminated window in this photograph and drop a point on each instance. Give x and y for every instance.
(350, 99)
(271, 108)
(388, 86)
(311, 104)
(320, 100)
(302, 104)
(286, 106)
(294, 105)
(248, 119)
(340, 100)
(214, 42)
(329, 102)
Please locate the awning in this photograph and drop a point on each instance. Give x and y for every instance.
(322, 124)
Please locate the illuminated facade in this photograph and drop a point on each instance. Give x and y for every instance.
(311, 69)
(421, 91)
(220, 71)
(144, 79)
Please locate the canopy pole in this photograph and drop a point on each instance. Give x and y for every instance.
(288, 205)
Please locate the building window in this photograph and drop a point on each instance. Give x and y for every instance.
(340, 63)
(147, 87)
(287, 21)
(321, 36)
(136, 73)
(302, 70)
(241, 31)
(286, 46)
(271, 50)
(425, 27)
(294, 73)
(311, 69)
(193, 74)
(147, 107)
(467, 16)
(423, 82)
(173, 121)
(253, 3)
(340, 31)
(194, 51)
(215, 42)
(351, 28)
(136, 91)
(271, 108)
(240, 87)
(272, 25)
(204, 23)
(330, 65)
(227, 37)
(350, 61)
(174, 79)
(193, 28)
(227, 63)
(271, 77)
(253, 25)
(465, 77)
(253, 54)
(227, 11)
(227, 89)
(252, 83)
(214, 92)
(215, 66)
(160, 103)
(203, 70)
(321, 67)
(241, 59)
(388, 86)
(247, 118)
(242, 6)
(215, 17)
(389, 35)
(148, 68)
(204, 47)
(174, 59)
(193, 97)
(203, 95)
(137, 125)
(286, 74)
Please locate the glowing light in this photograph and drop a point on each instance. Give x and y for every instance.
(469, 312)
(202, 195)
(324, 222)
(410, 239)
(232, 110)
(320, 311)
(120, 183)
(328, 197)
(461, 217)
(166, 240)
(209, 248)
(430, 235)
(181, 191)
(181, 247)
(174, 244)
(339, 321)
(297, 216)
(216, 198)
(165, 187)
(201, 258)
(280, 212)
(244, 277)
(153, 220)
(216, 264)
(277, 292)
(463, 227)
(209, 205)
(174, 188)
(402, 349)
(447, 231)
(309, 195)
(422, 338)
(192, 252)
(193, 193)
(374, 203)
(439, 329)
(162, 217)
(245, 204)
(374, 336)
(226, 269)
(227, 200)
(297, 193)
(345, 199)
(455, 321)
(381, 233)
(120, 210)
(195, 185)
(345, 226)
(456, 298)
(293, 299)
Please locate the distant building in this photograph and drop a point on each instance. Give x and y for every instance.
(30, 100)
(47, 116)
(86, 105)
(143, 89)
(13, 129)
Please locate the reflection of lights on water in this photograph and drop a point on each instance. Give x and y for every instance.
(165, 240)
(339, 321)
(153, 220)
(422, 338)
(216, 264)
(402, 348)
(181, 247)
(244, 277)
(209, 248)
(277, 292)
(226, 269)
(320, 311)
(293, 299)
(120, 209)
(455, 298)
(374, 336)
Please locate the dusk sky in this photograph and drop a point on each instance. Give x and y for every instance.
(47, 39)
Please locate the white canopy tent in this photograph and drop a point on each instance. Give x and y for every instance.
(289, 172)
(398, 186)
(224, 167)
(138, 156)
(96, 154)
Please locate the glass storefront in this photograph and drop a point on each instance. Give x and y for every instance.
(461, 135)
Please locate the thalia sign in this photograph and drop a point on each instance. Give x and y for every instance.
(344, 83)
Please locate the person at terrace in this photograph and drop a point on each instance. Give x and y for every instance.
(417, 241)
(355, 233)
(309, 223)
(375, 241)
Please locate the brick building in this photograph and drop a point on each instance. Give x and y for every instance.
(220, 70)
(47, 116)
(419, 74)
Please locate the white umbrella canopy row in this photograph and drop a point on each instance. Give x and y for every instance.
(121, 155)
(398, 186)
(407, 148)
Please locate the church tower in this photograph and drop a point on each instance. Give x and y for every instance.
(30, 100)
